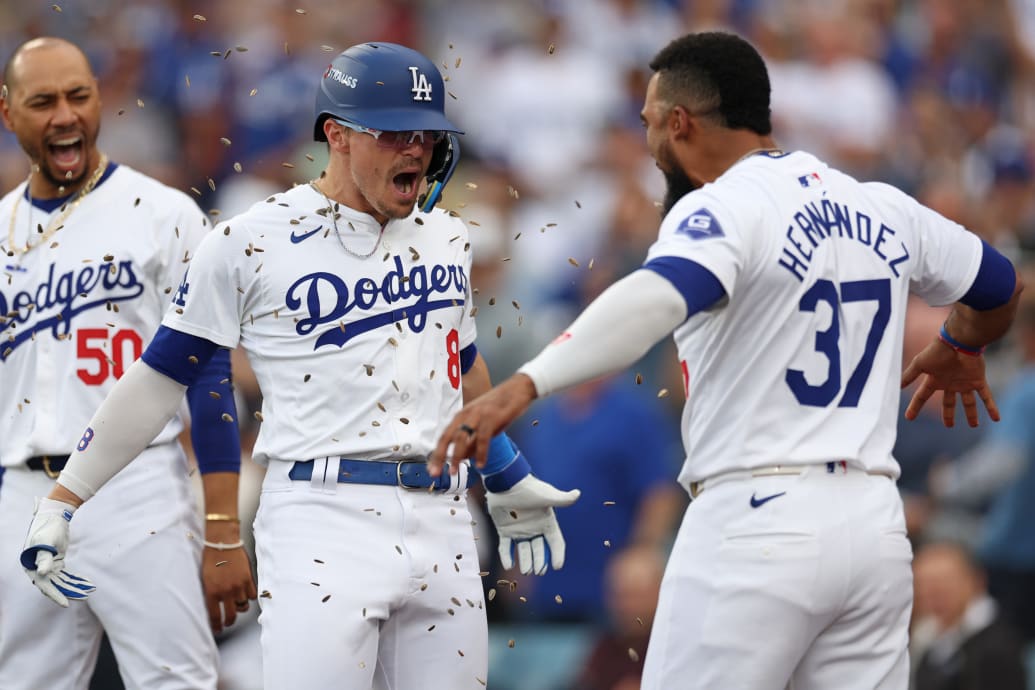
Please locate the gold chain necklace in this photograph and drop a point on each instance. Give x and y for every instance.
(332, 210)
(57, 223)
(772, 151)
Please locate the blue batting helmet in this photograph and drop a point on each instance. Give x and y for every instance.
(382, 86)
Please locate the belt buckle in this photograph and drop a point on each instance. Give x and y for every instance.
(46, 468)
(399, 477)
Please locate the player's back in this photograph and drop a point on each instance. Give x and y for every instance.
(803, 363)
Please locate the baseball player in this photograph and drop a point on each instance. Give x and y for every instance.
(785, 283)
(354, 309)
(92, 253)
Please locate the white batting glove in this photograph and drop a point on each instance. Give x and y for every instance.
(44, 554)
(523, 515)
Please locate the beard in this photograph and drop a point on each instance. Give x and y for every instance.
(66, 182)
(677, 185)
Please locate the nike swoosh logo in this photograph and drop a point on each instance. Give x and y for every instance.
(295, 239)
(755, 502)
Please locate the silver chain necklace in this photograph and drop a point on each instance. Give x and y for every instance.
(332, 211)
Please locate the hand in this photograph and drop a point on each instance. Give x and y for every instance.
(229, 585)
(524, 514)
(468, 435)
(44, 554)
(939, 367)
(226, 577)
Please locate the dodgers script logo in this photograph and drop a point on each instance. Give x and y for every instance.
(59, 298)
(411, 291)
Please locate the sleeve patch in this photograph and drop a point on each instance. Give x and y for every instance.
(700, 225)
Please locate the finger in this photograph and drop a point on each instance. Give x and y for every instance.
(44, 562)
(948, 409)
(215, 614)
(920, 398)
(44, 585)
(986, 397)
(539, 555)
(250, 591)
(80, 582)
(72, 586)
(524, 550)
(555, 541)
(912, 371)
(506, 559)
(481, 445)
(551, 496)
(229, 612)
(970, 408)
(445, 450)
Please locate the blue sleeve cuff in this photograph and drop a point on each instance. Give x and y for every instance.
(180, 356)
(505, 465)
(699, 287)
(994, 283)
(217, 441)
(467, 357)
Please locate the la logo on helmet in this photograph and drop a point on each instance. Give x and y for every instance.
(421, 87)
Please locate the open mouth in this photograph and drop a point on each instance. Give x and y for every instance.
(66, 152)
(406, 183)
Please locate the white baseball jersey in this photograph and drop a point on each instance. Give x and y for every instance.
(77, 310)
(312, 314)
(803, 363)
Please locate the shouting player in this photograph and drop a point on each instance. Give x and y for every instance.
(785, 283)
(91, 254)
(355, 311)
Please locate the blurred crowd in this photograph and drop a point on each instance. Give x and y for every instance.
(934, 96)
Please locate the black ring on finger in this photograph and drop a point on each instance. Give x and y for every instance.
(470, 430)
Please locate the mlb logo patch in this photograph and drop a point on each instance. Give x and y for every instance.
(810, 180)
(699, 225)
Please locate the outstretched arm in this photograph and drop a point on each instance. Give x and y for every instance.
(618, 328)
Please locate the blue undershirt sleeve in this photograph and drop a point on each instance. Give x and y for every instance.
(699, 287)
(467, 357)
(994, 283)
(204, 368)
(180, 356)
(214, 431)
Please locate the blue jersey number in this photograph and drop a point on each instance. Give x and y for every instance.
(827, 342)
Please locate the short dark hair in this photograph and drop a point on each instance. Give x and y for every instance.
(716, 72)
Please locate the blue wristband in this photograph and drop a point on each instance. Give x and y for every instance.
(505, 465)
(944, 336)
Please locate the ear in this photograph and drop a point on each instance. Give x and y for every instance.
(337, 138)
(680, 122)
(5, 107)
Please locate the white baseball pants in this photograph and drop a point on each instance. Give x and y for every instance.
(139, 541)
(365, 586)
(810, 590)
